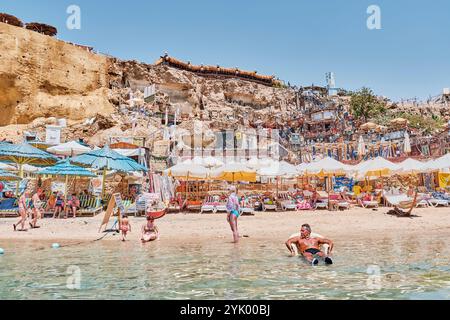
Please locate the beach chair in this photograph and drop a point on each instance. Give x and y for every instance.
(176, 204)
(403, 205)
(269, 203)
(368, 203)
(322, 201)
(437, 199)
(247, 207)
(338, 202)
(286, 202)
(9, 208)
(209, 204)
(193, 205)
(90, 207)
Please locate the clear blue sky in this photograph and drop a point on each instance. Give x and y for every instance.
(297, 40)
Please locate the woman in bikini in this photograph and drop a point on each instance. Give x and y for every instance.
(233, 209)
(36, 207)
(149, 231)
(23, 211)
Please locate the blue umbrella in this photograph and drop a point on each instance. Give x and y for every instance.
(107, 159)
(25, 154)
(65, 168)
(8, 176)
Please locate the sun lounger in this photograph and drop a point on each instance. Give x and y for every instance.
(269, 203)
(322, 201)
(438, 202)
(193, 205)
(209, 204)
(368, 203)
(403, 205)
(90, 207)
(286, 202)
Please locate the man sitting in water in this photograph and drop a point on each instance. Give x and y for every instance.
(310, 247)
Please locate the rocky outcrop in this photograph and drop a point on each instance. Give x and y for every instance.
(43, 77)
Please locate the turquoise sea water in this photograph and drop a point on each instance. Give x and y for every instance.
(384, 269)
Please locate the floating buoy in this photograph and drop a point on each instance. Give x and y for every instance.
(2, 251)
(55, 245)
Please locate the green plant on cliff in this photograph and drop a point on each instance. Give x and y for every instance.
(426, 124)
(364, 104)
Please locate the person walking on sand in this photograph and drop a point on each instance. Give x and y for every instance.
(233, 209)
(124, 226)
(23, 211)
(310, 247)
(149, 231)
(36, 205)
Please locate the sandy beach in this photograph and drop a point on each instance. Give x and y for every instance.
(265, 226)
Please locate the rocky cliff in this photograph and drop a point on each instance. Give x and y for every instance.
(41, 76)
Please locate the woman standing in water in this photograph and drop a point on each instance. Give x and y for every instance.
(233, 209)
(149, 231)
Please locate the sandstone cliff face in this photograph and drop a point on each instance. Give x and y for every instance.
(43, 77)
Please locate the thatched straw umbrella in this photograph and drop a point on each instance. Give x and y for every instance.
(42, 28)
(9, 19)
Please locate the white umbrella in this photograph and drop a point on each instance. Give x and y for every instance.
(211, 162)
(412, 166)
(187, 171)
(70, 148)
(407, 145)
(441, 163)
(327, 166)
(279, 169)
(375, 167)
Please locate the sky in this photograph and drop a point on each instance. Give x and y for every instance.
(296, 40)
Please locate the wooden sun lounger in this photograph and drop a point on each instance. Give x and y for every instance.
(404, 208)
(9, 213)
(90, 207)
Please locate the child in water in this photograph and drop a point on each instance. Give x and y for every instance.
(125, 227)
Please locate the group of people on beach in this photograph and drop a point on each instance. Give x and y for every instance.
(149, 230)
(34, 207)
(26, 208)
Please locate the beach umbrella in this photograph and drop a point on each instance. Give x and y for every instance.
(24, 153)
(183, 171)
(441, 163)
(5, 166)
(279, 169)
(327, 166)
(107, 159)
(66, 169)
(361, 147)
(234, 172)
(211, 162)
(375, 167)
(407, 144)
(8, 176)
(412, 166)
(71, 148)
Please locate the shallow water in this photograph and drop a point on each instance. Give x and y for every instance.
(384, 269)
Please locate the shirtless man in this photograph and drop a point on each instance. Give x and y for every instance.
(310, 247)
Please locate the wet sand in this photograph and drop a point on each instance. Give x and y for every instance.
(263, 226)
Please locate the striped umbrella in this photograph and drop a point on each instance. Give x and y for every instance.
(8, 176)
